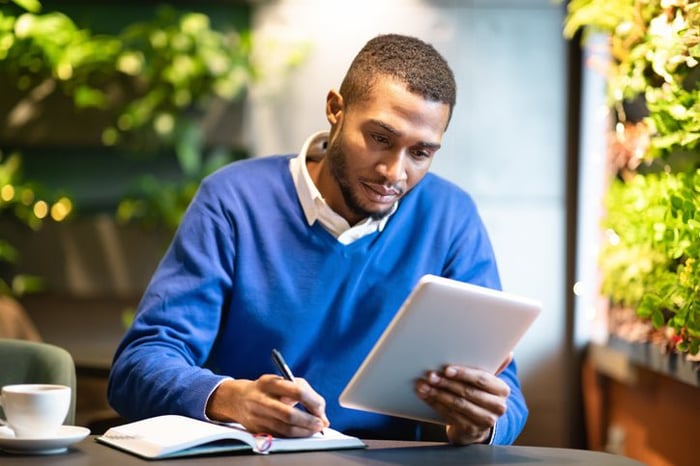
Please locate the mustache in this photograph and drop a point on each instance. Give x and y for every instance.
(397, 188)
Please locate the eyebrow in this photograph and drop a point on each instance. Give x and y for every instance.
(387, 127)
(395, 132)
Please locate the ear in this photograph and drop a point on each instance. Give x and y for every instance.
(334, 107)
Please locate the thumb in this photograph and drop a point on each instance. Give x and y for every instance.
(505, 363)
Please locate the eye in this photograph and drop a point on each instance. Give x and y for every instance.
(380, 138)
(421, 154)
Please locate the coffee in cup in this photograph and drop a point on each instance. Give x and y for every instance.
(35, 410)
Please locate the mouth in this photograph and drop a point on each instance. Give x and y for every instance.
(381, 194)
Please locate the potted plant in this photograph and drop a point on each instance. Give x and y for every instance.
(650, 258)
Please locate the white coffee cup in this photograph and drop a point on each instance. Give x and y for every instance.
(35, 410)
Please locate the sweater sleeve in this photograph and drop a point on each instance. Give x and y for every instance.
(512, 422)
(160, 365)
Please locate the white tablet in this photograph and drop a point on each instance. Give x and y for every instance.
(442, 321)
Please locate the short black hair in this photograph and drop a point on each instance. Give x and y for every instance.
(408, 60)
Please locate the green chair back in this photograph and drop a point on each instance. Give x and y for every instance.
(23, 361)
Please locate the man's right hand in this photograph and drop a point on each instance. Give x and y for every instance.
(268, 405)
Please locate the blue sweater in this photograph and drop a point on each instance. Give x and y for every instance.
(245, 273)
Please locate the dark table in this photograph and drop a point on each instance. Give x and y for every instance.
(380, 452)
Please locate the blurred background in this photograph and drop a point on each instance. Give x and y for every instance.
(577, 131)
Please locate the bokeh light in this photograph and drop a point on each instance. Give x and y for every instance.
(41, 209)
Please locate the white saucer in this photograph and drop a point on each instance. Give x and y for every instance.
(56, 443)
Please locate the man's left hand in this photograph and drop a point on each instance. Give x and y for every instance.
(470, 400)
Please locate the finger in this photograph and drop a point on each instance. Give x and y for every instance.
(460, 436)
(313, 401)
(483, 395)
(281, 419)
(454, 377)
(505, 363)
(290, 393)
(281, 428)
(444, 390)
(292, 422)
(281, 389)
(272, 409)
(462, 411)
(276, 386)
(469, 414)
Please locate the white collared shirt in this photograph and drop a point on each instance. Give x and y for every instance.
(313, 203)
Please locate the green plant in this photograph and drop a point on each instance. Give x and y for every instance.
(154, 80)
(185, 65)
(149, 76)
(649, 261)
(655, 46)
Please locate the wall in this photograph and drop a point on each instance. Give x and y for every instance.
(506, 144)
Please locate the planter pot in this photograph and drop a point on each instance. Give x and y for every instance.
(638, 352)
(687, 371)
(661, 361)
(653, 357)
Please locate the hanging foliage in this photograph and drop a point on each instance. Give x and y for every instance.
(650, 260)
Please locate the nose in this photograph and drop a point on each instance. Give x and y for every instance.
(392, 166)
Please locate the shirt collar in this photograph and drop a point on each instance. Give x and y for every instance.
(314, 205)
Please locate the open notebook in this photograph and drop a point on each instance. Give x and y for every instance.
(172, 436)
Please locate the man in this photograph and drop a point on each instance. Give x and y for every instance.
(314, 255)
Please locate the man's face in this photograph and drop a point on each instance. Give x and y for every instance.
(380, 148)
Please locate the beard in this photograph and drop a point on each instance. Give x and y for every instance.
(337, 160)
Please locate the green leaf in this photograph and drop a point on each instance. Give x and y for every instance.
(23, 284)
(694, 51)
(648, 305)
(32, 6)
(7, 252)
(657, 319)
(676, 202)
(127, 317)
(86, 96)
(188, 149)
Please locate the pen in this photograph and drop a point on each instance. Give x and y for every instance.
(283, 368)
(282, 365)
